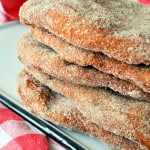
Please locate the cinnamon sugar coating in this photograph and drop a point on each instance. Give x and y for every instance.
(119, 29)
(137, 75)
(117, 114)
(62, 111)
(128, 117)
(33, 53)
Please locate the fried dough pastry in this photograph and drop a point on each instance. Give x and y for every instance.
(138, 75)
(33, 53)
(117, 114)
(119, 29)
(62, 111)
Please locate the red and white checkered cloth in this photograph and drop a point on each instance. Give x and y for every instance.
(17, 134)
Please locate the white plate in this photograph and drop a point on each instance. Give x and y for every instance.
(10, 67)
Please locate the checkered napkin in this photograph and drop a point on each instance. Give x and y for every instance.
(16, 134)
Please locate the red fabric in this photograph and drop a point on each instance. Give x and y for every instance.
(15, 133)
(27, 142)
(9, 116)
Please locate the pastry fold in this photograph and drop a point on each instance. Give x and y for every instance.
(63, 112)
(118, 29)
(33, 53)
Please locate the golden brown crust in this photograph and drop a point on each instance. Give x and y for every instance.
(138, 75)
(129, 118)
(42, 102)
(95, 26)
(35, 54)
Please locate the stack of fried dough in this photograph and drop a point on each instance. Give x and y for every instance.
(87, 67)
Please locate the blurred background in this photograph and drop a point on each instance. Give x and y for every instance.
(9, 10)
